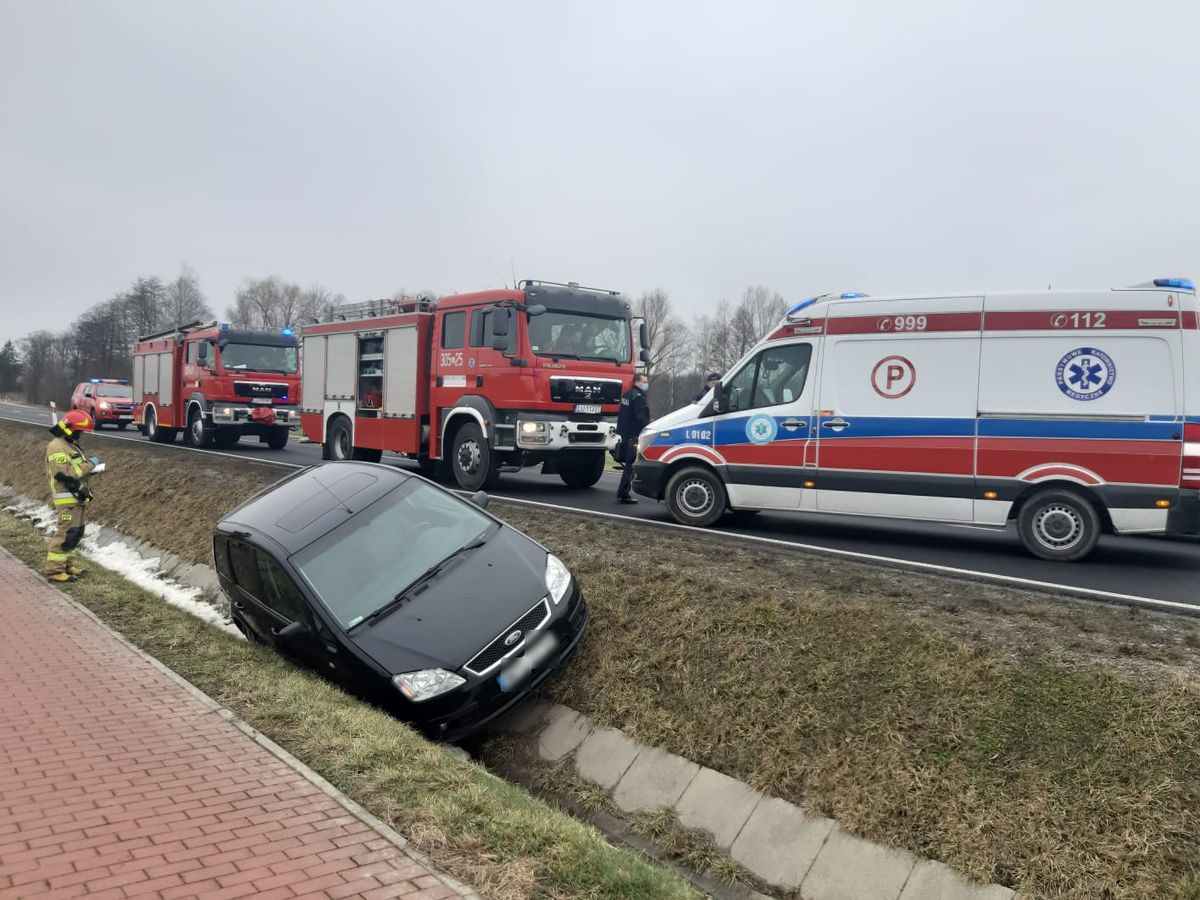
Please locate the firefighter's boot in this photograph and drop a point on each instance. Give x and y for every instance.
(75, 571)
(61, 577)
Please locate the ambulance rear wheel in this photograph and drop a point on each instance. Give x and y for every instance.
(696, 496)
(1059, 525)
(475, 467)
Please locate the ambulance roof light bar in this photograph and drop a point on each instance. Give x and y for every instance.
(1180, 284)
(803, 304)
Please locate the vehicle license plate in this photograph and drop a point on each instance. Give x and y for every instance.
(587, 407)
(517, 670)
(130, 418)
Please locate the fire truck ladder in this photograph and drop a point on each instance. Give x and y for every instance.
(388, 306)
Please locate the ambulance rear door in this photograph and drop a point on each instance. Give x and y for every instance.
(896, 414)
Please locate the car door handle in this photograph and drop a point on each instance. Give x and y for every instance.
(792, 424)
(837, 424)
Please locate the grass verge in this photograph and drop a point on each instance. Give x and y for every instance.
(1048, 744)
(475, 826)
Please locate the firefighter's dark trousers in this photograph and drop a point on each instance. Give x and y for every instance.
(67, 535)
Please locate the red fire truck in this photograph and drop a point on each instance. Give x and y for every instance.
(478, 382)
(216, 382)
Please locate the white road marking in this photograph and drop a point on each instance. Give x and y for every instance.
(893, 561)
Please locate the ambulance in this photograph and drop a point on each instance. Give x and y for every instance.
(1068, 413)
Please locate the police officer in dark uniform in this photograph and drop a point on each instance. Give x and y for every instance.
(709, 383)
(633, 416)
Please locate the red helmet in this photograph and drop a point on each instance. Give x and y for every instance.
(76, 420)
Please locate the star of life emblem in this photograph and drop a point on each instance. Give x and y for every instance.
(1085, 374)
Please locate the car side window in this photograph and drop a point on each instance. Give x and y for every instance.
(279, 591)
(453, 327)
(245, 568)
(221, 556)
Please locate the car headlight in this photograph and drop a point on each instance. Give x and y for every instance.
(427, 683)
(558, 578)
(645, 439)
(103, 405)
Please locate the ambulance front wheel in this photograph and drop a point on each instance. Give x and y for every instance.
(1059, 525)
(696, 496)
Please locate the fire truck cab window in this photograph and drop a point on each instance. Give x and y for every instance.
(481, 330)
(454, 326)
(193, 353)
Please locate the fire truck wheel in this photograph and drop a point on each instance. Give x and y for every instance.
(696, 496)
(474, 465)
(584, 473)
(277, 438)
(199, 433)
(338, 444)
(151, 430)
(121, 425)
(1059, 525)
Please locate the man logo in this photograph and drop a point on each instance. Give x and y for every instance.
(514, 638)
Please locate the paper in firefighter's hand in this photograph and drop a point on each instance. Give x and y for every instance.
(99, 468)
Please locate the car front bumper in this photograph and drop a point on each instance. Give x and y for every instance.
(648, 476)
(485, 700)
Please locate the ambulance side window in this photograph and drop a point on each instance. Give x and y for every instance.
(775, 376)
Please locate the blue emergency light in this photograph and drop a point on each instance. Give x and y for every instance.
(848, 295)
(95, 381)
(224, 326)
(1180, 284)
(287, 332)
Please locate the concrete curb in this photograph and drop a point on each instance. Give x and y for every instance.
(777, 841)
(383, 829)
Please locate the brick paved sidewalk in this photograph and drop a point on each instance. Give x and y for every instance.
(118, 781)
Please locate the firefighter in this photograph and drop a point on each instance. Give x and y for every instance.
(68, 471)
(632, 417)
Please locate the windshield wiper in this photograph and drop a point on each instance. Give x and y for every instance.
(428, 575)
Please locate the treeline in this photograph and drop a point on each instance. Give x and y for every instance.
(46, 365)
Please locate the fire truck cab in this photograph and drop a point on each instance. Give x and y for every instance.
(477, 383)
(216, 383)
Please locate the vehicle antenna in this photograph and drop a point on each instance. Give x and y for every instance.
(341, 504)
(513, 269)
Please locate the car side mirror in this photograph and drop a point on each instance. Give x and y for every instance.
(292, 631)
(480, 499)
(202, 353)
(499, 324)
(644, 339)
(718, 401)
(644, 356)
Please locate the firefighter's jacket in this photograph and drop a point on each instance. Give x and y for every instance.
(68, 470)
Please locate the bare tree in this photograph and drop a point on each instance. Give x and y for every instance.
(669, 346)
(316, 302)
(184, 300)
(36, 352)
(144, 303)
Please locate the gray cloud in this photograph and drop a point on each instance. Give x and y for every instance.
(698, 147)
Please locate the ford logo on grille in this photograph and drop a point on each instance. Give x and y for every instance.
(512, 639)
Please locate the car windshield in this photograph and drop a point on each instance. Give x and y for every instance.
(115, 390)
(579, 336)
(259, 358)
(362, 565)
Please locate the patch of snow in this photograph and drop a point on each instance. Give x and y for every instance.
(143, 571)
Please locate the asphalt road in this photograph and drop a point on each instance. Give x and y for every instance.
(1154, 568)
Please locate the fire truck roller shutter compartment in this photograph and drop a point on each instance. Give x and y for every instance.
(896, 414)
(152, 376)
(165, 380)
(339, 367)
(312, 374)
(139, 367)
(400, 387)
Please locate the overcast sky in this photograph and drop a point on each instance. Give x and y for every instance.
(874, 146)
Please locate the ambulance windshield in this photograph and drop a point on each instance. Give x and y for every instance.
(574, 335)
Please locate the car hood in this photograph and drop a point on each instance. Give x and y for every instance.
(462, 609)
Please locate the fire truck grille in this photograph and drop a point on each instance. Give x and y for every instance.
(496, 650)
(584, 390)
(256, 389)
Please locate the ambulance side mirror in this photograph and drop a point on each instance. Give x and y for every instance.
(719, 400)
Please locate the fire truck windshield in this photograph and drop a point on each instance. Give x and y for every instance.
(574, 335)
(259, 358)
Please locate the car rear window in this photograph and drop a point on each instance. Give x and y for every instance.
(328, 491)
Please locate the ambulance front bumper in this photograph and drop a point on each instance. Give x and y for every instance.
(648, 478)
(1184, 517)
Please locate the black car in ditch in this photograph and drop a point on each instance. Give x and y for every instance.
(399, 591)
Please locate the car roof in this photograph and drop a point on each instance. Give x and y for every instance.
(303, 507)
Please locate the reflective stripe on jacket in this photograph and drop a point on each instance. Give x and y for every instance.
(65, 458)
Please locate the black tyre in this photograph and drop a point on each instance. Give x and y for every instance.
(696, 496)
(1059, 524)
(365, 454)
(338, 442)
(151, 430)
(474, 464)
(585, 472)
(199, 433)
(277, 438)
(122, 425)
(227, 438)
